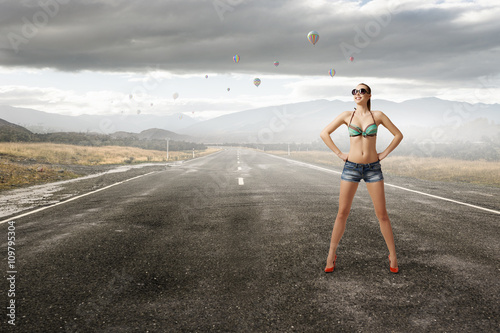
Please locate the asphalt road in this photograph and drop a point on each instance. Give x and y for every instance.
(237, 242)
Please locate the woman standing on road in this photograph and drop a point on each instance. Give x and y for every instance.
(362, 162)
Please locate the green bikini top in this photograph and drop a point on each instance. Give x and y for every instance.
(371, 130)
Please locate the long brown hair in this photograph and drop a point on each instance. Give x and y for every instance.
(369, 91)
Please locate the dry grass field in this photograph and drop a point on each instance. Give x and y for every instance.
(24, 164)
(427, 168)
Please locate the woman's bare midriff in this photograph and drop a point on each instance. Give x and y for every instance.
(363, 150)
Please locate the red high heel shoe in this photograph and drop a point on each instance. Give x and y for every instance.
(393, 270)
(330, 269)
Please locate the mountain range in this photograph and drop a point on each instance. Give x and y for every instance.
(419, 119)
(45, 122)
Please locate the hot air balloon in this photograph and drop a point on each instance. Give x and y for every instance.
(175, 95)
(351, 58)
(256, 81)
(313, 37)
(276, 63)
(332, 72)
(236, 58)
(206, 76)
(228, 89)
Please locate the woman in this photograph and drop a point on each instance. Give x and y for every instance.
(362, 162)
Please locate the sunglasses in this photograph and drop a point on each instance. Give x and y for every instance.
(362, 91)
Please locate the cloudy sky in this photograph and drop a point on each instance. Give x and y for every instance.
(117, 56)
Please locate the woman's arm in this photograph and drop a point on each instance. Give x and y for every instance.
(398, 136)
(328, 130)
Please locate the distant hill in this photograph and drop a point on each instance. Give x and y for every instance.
(152, 134)
(13, 133)
(44, 122)
(420, 119)
(155, 139)
(299, 122)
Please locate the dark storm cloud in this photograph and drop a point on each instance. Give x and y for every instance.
(187, 36)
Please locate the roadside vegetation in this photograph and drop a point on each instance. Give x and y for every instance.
(13, 175)
(24, 164)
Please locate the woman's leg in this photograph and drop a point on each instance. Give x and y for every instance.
(347, 191)
(377, 194)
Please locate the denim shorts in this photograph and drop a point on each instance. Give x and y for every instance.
(354, 172)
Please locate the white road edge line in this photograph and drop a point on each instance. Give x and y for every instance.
(399, 187)
(446, 199)
(77, 197)
(71, 199)
(240, 181)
